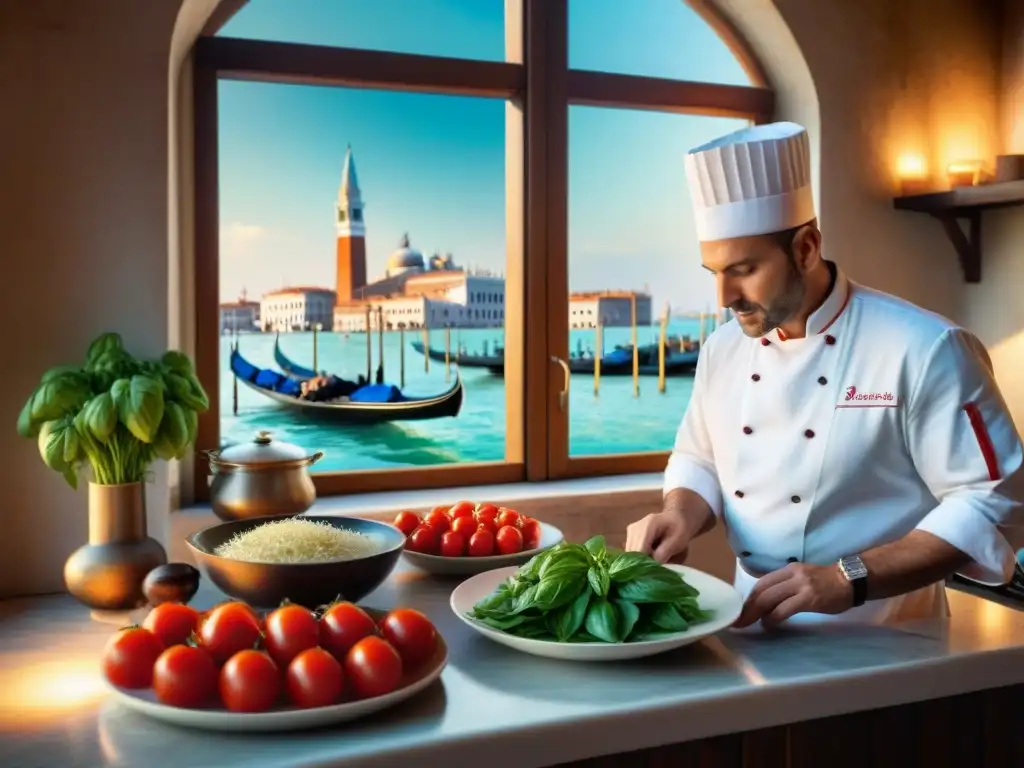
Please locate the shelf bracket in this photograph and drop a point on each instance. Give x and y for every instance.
(967, 245)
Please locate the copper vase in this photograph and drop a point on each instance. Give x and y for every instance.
(107, 573)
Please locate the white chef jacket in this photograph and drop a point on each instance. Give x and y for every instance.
(884, 418)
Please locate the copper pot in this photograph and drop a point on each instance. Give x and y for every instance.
(262, 478)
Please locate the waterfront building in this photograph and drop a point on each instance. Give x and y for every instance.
(297, 309)
(240, 316)
(612, 309)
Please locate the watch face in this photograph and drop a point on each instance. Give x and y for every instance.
(853, 568)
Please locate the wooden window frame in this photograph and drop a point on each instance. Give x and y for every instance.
(538, 88)
(568, 87)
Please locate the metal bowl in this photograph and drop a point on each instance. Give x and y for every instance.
(266, 585)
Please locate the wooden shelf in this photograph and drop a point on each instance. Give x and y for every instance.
(965, 203)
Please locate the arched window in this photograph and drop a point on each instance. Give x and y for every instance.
(538, 145)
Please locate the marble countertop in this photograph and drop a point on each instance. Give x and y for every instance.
(497, 707)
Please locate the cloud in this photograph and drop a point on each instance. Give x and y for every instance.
(237, 238)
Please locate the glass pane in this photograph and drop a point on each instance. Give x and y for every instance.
(466, 29)
(335, 202)
(656, 38)
(633, 254)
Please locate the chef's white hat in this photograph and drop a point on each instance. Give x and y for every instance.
(751, 182)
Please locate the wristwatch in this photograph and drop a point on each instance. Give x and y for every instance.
(853, 568)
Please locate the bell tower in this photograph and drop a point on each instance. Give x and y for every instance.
(351, 234)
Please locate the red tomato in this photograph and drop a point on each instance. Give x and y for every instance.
(373, 667)
(291, 629)
(509, 540)
(481, 543)
(342, 626)
(185, 676)
(411, 634)
(407, 522)
(487, 525)
(424, 539)
(228, 629)
(531, 533)
(507, 516)
(250, 682)
(462, 509)
(439, 521)
(465, 526)
(314, 679)
(486, 512)
(129, 656)
(453, 544)
(440, 508)
(173, 623)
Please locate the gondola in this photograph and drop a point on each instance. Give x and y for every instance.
(291, 369)
(369, 404)
(618, 362)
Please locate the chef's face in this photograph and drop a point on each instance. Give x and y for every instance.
(762, 279)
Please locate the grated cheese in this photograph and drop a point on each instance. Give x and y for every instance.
(297, 541)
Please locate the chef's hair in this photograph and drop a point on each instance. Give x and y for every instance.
(784, 238)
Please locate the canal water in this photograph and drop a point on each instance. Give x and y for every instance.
(615, 421)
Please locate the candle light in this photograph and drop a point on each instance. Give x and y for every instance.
(964, 173)
(912, 173)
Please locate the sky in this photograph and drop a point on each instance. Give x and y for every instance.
(434, 165)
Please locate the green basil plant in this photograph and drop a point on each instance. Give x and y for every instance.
(116, 413)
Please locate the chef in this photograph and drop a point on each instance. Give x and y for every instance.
(855, 446)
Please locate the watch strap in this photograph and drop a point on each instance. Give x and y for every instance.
(856, 573)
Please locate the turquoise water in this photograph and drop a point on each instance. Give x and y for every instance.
(613, 422)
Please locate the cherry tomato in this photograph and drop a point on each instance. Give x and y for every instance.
(481, 543)
(486, 512)
(509, 540)
(342, 626)
(507, 516)
(291, 629)
(424, 539)
(407, 522)
(411, 634)
(531, 533)
(373, 667)
(462, 509)
(465, 526)
(439, 521)
(185, 676)
(236, 605)
(440, 508)
(487, 524)
(314, 679)
(250, 682)
(228, 629)
(453, 544)
(173, 623)
(129, 656)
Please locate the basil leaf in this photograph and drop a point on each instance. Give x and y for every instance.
(630, 614)
(530, 571)
(564, 569)
(503, 624)
(141, 408)
(554, 593)
(599, 581)
(652, 589)
(666, 617)
(573, 616)
(603, 621)
(631, 565)
(596, 547)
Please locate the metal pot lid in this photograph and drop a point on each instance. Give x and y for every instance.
(263, 450)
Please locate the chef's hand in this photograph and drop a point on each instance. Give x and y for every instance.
(796, 588)
(665, 536)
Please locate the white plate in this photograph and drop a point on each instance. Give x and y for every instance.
(715, 595)
(284, 718)
(466, 566)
